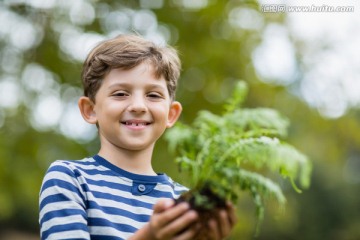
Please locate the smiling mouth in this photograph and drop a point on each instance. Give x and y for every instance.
(136, 124)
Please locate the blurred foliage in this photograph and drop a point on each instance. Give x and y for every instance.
(215, 52)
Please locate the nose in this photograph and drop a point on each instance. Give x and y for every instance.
(137, 104)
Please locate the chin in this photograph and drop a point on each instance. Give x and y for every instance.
(135, 147)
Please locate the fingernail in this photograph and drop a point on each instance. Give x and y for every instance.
(193, 214)
(185, 205)
(168, 203)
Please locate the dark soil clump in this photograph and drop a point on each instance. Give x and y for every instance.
(207, 204)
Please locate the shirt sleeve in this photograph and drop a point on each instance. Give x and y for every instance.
(62, 204)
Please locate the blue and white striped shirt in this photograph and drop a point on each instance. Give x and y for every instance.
(94, 199)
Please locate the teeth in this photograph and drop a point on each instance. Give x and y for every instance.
(135, 124)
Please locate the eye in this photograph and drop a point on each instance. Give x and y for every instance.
(154, 95)
(120, 94)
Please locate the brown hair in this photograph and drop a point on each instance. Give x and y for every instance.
(127, 52)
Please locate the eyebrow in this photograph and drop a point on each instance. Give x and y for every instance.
(156, 86)
(148, 86)
(116, 85)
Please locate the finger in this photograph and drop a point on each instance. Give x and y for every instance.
(231, 210)
(224, 223)
(214, 229)
(162, 205)
(171, 214)
(189, 233)
(180, 223)
(163, 214)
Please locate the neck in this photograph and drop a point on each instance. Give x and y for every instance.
(138, 162)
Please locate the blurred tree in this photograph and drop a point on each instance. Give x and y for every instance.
(42, 45)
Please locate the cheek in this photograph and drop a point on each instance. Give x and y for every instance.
(161, 111)
(106, 112)
(111, 108)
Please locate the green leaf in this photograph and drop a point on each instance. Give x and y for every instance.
(238, 97)
(240, 150)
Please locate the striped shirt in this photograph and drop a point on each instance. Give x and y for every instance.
(94, 199)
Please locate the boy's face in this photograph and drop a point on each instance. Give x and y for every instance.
(132, 108)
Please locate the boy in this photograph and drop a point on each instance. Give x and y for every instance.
(129, 87)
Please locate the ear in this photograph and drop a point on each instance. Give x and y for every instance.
(86, 107)
(174, 113)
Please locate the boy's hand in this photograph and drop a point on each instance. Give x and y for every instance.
(172, 222)
(180, 223)
(221, 227)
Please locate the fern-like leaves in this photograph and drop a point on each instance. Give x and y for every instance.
(239, 150)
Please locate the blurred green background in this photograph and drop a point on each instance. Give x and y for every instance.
(305, 65)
